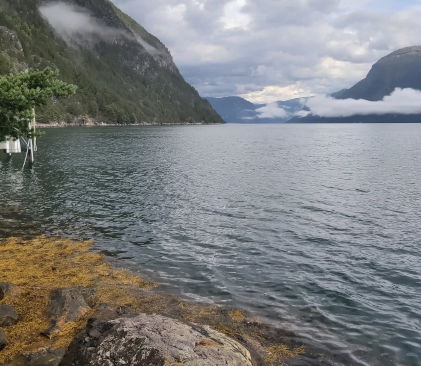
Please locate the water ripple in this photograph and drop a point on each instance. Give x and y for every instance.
(315, 228)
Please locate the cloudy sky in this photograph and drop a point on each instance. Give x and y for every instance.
(267, 50)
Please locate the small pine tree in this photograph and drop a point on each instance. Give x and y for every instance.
(21, 93)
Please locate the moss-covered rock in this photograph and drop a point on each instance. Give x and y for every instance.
(67, 305)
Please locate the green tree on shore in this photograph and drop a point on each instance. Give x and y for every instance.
(21, 93)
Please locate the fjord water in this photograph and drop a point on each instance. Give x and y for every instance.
(314, 227)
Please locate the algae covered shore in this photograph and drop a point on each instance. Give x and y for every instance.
(58, 286)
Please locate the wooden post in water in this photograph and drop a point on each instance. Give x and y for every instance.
(32, 141)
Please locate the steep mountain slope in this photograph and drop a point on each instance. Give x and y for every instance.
(239, 110)
(400, 69)
(124, 74)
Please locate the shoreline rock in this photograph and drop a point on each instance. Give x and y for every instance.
(42, 358)
(67, 305)
(3, 339)
(8, 316)
(69, 297)
(153, 340)
(102, 124)
(8, 289)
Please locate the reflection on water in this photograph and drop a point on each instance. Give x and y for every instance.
(314, 227)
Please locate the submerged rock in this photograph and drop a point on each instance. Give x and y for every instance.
(153, 340)
(3, 339)
(8, 316)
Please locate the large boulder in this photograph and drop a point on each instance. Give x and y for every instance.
(153, 340)
(8, 316)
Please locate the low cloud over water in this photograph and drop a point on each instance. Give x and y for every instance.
(401, 101)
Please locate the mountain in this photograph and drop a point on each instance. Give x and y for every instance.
(400, 69)
(234, 109)
(124, 74)
(239, 110)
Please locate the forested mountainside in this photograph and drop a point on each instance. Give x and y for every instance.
(124, 74)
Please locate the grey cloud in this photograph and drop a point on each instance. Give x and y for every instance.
(323, 45)
(272, 110)
(298, 12)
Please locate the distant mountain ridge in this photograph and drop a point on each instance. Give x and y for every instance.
(239, 110)
(234, 109)
(399, 70)
(124, 74)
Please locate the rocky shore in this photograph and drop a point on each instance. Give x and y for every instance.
(63, 304)
(93, 123)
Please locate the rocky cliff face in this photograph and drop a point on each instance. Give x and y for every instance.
(124, 74)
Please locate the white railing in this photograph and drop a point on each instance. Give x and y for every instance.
(11, 146)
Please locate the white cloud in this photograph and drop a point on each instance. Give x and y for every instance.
(332, 68)
(74, 23)
(234, 17)
(401, 101)
(272, 110)
(77, 25)
(273, 93)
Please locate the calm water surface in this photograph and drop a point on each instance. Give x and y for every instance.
(315, 227)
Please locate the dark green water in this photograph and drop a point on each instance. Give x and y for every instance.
(315, 227)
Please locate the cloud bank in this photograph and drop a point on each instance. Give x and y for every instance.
(272, 110)
(75, 24)
(401, 101)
